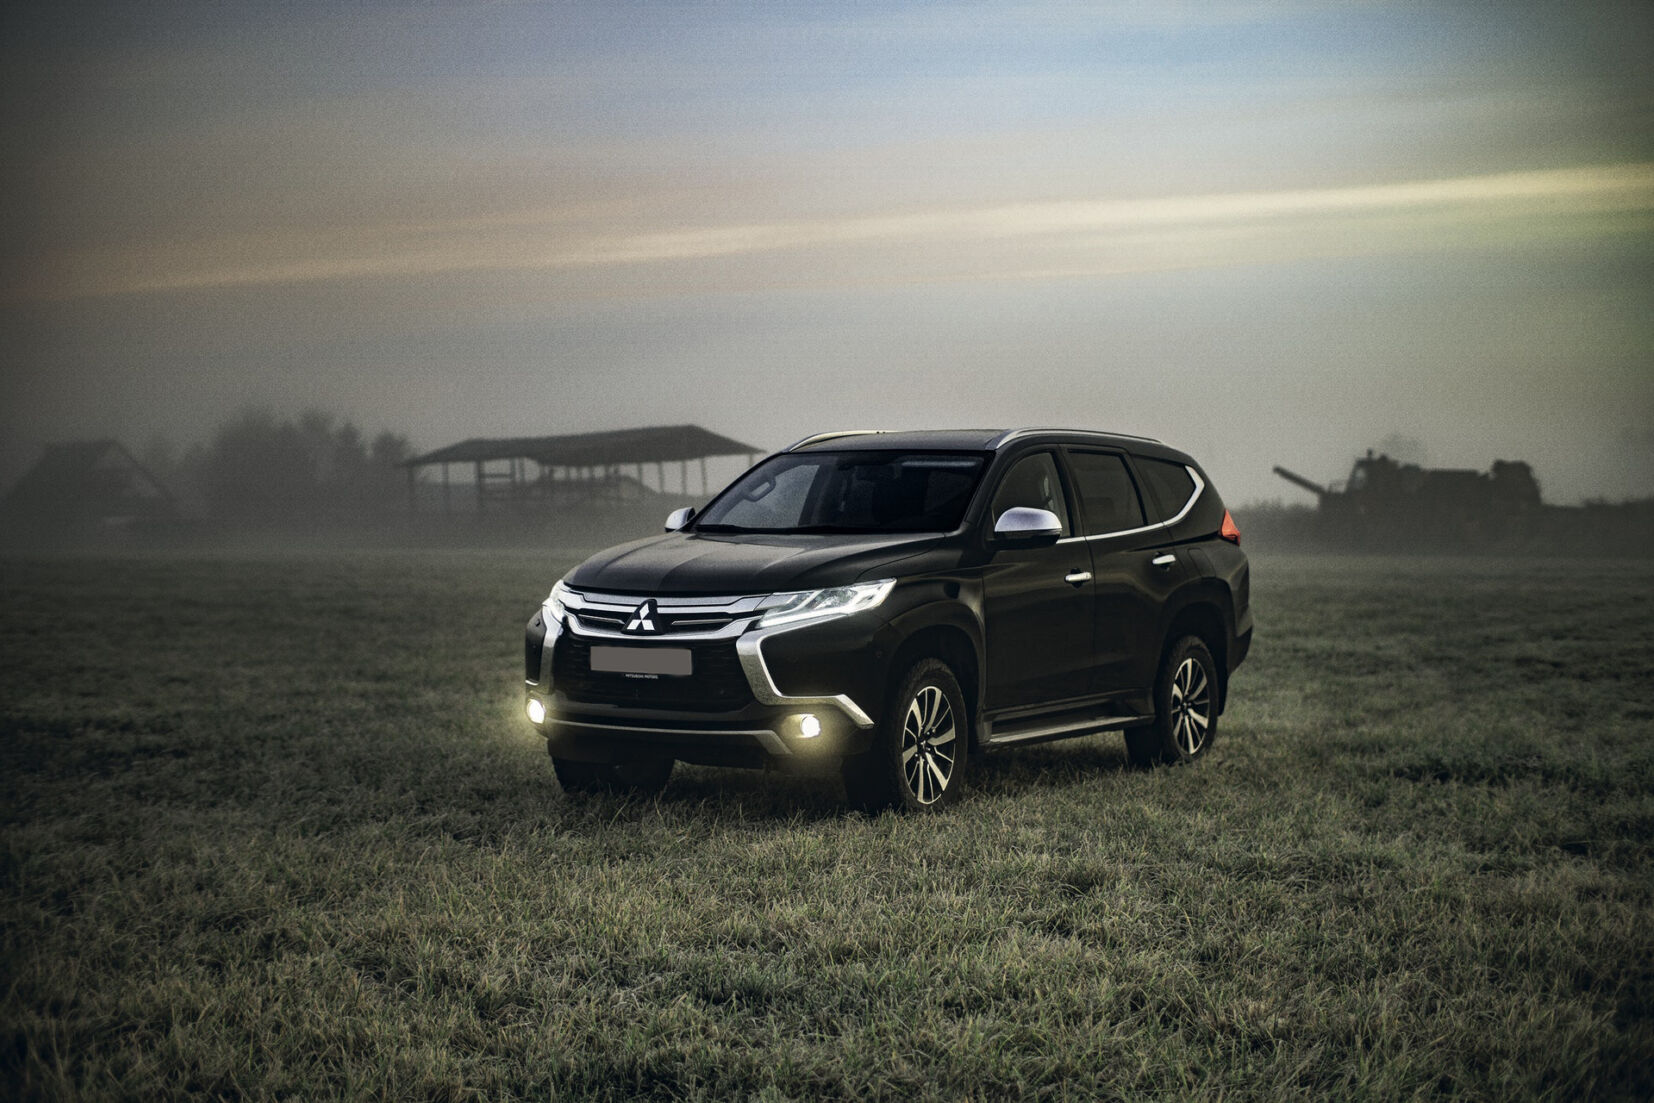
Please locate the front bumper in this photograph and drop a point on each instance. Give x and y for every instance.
(757, 736)
(824, 677)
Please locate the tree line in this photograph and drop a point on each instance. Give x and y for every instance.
(258, 468)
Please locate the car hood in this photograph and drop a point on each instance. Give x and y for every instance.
(746, 563)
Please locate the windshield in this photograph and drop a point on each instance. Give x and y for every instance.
(848, 492)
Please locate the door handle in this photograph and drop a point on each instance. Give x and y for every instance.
(1164, 560)
(1077, 577)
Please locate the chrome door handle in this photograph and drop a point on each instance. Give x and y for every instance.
(1077, 577)
(1164, 560)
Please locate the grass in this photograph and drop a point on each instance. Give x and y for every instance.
(273, 827)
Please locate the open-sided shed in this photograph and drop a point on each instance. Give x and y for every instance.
(578, 466)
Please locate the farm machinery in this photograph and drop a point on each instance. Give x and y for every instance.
(1392, 505)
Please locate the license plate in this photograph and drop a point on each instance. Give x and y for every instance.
(656, 661)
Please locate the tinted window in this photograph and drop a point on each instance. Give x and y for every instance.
(848, 492)
(1108, 498)
(1031, 482)
(774, 502)
(1168, 482)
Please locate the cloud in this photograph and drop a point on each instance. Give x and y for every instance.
(994, 241)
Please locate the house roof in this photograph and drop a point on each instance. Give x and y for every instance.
(88, 477)
(655, 444)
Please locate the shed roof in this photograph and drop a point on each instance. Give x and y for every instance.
(654, 444)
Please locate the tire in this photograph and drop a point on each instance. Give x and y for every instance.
(641, 777)
(1185, 706)
(917, 761)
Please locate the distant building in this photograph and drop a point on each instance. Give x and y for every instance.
(84, 487)
(575, 470)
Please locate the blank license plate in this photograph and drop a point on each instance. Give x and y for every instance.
(673, 661)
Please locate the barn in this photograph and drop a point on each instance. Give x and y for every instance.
(535, 474)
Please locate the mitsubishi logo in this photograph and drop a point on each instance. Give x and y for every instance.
(643, 618)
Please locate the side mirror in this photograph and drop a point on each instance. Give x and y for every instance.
(678, 518)
(1025, 523)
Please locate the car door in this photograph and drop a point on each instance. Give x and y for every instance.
(1134, 569)
(1036, 599)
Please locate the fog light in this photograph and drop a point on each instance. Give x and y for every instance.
(808, 726)
(536, 710)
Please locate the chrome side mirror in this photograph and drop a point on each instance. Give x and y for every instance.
(678, 518)
(1025, 523)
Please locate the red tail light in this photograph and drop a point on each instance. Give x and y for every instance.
(1229, 531)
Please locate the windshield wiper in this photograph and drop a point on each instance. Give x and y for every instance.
(811, 530)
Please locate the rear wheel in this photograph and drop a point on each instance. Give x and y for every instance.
(640, 777)
(1185, 704)
(917, 760)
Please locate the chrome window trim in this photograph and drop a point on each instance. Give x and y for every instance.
(1200, 488)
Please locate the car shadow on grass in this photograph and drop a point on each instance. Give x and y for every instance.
(753, 795)
(750, 795)
(1056, 765)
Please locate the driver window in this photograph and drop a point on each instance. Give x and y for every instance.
(1032, 481)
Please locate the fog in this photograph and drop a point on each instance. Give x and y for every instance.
(1265, 232)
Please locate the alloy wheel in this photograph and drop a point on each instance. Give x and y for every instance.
(1191, 706)
(928, 735)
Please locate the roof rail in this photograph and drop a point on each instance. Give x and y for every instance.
(1010, 434)
(819, 437)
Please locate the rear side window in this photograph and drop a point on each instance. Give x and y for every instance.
(1108, 497)
(1169, 483)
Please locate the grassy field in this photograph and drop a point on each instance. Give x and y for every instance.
(274, 827)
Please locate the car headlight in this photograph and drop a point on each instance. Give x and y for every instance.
(554, 601)
(831, 602)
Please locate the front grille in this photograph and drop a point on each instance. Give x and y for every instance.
(666, 623)
(716, 685)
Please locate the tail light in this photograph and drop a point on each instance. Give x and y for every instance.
(1230, 531)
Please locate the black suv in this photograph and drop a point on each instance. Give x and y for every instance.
(892, 603)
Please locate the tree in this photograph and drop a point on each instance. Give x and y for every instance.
(313, 470)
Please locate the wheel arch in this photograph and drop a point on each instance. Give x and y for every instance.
(953, 645)
(1202, 615)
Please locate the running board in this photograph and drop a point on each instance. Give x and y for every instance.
(1035, 733)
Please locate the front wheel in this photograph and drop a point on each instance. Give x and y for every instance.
(641, 777)
(1185, 705)
(917, 761)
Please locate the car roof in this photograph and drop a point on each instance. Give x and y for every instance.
(865, 440)
(973, 440)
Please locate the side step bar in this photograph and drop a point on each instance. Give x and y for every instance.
(1039, 731)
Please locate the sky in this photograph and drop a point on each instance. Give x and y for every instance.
(1268, 232)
